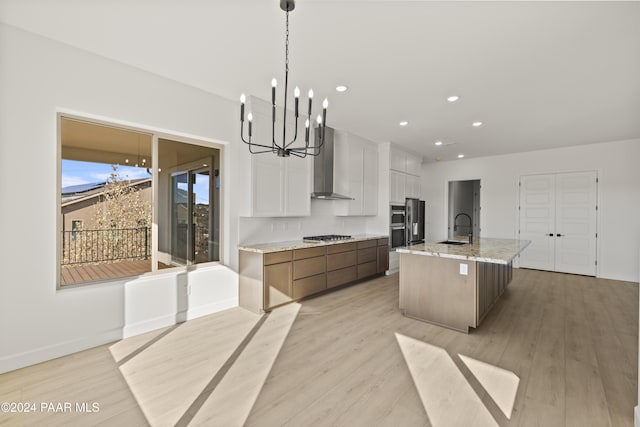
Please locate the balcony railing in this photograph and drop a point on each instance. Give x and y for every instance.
(87, 246)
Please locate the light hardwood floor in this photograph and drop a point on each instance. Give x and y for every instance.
(566, 345)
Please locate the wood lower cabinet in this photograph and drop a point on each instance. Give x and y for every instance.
(276, 278)
(277, 284)
(309, 271)
(309, 285)
(367, 269)
(341, 276)
(492, 280)
(383, 258)
(341, 264)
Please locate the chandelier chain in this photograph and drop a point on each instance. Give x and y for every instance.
(286, 51)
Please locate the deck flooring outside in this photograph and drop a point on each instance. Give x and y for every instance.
(77, 273)
(555, 350)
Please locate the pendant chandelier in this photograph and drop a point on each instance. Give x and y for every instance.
(284, 149)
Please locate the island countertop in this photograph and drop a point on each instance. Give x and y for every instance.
(299, 244)
(495, 251)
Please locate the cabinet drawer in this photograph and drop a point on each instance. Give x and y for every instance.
(366, 255)
(341, 247)
(367, 244)
(309, 252)
(342, 276)
(276, 257)
(337, 261)
(383, 242)
(367, 269)
(309, 285)
(309, 267)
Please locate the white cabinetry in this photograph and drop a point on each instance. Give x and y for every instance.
(398, 160)
(412, 186)
(278, 186)
(414, 163)
(355, 175)
(397, 187)
(404, 176)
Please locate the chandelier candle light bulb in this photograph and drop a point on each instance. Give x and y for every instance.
(242, 100)
(296, 95)
(306, 132)
(250, 117)
(325, 104)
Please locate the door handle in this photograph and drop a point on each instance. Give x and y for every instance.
(559, 235)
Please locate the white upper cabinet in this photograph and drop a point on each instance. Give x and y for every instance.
(397, 186)
(355, 175)
(398, 161)
(412, 186)
(404, 176)
(414, 164)
(267, 186)
(403, 161)
(278, 186)
(297, 186)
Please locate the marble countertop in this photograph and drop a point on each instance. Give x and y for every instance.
(496, 251)
(299, 244)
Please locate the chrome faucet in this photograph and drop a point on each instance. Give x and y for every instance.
(455, 226)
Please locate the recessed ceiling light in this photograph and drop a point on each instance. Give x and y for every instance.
(477, 124)
(341, 88)
(404, 123)
(453, 98)
(438, 143)
(460, 156)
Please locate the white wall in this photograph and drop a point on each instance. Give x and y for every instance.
(619, 195)
(39, 77)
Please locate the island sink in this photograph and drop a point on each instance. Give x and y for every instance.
(454, 242)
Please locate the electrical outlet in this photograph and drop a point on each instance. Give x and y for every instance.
(464, 269)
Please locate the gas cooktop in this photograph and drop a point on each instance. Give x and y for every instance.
(325, 238)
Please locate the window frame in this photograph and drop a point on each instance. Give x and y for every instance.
(156, 135)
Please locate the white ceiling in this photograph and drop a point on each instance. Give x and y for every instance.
(538, 74)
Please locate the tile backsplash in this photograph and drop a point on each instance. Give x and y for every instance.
(321, 221)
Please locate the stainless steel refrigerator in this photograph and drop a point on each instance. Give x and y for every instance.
(414, 221)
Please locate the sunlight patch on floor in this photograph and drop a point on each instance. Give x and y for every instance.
(447, 397)
(231, 401)
(502, 385)
(169, 375)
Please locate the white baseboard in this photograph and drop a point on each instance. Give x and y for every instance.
(178, 317)
(203, 310)
(152, 324)
(42, 354)
(636, 416)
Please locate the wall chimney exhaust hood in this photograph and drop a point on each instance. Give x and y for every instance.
(323, 170)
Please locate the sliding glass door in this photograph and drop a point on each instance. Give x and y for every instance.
(192, 217)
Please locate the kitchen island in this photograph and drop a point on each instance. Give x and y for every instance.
(455, 285)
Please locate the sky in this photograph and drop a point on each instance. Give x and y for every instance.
(76, 173)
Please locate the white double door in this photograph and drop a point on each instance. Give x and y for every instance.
(558, 214)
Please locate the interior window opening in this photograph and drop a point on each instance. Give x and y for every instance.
(107, 203)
